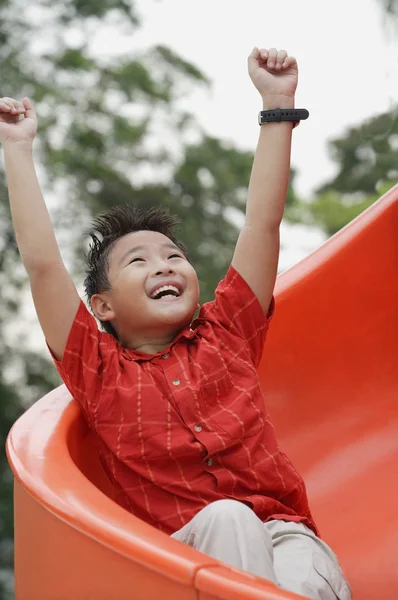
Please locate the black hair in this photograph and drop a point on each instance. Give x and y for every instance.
(109, 227)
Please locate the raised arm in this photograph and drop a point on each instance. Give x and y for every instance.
(274, 74)
(54, 293)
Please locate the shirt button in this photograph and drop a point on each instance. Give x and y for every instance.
(198, 428)
(165, 355)
(176, 382)
(209, 462)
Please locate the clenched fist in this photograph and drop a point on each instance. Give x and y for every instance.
(275, 75)
(18, 122)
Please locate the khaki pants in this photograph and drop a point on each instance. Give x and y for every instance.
(287, 553)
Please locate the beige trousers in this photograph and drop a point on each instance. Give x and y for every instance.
(286, 553)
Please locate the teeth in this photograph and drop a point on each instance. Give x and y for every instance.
(165, 288)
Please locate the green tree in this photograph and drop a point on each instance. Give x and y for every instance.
(111, 130)
(367, 155)
(389, 9)
(367, 159)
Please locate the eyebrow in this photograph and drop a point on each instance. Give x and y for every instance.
(168, 245)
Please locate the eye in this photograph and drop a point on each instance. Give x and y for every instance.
(175, 256)
(136, 260)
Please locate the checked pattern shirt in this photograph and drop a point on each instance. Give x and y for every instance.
(185, 427)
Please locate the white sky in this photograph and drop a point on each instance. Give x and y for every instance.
(348, 67)
(348, 72)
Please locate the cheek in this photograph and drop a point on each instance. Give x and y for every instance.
(136, 277)
(197, 291)
(194, 285)
(131, 287)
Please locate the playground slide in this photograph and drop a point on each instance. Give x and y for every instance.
(330, 377)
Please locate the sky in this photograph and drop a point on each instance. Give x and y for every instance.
(348, 65)
(348, 72)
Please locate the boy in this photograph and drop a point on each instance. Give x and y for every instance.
(176, 405)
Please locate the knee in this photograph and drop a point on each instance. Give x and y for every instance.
(237, 519)
(229, 510)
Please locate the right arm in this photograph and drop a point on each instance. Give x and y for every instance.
(54, 293)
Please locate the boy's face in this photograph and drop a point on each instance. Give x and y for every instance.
(155, 289)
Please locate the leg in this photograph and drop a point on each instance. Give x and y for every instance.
(304, 564)
(230, 532)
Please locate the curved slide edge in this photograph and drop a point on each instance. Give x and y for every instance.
(338, 242)
(73, 541)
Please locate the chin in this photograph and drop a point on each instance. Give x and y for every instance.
(178, 318)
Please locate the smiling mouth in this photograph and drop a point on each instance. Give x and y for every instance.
(166, 292)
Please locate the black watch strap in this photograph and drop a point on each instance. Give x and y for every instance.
(282, 114)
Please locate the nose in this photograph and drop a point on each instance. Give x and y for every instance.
(163, 268)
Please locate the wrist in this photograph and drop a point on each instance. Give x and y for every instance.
(277, 101)
(20, 146)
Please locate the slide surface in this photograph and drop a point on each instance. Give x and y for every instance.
(330, 377)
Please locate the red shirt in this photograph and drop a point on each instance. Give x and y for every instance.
(187, 426)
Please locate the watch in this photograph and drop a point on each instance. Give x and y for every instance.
(283, 114)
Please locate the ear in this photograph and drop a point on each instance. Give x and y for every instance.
(102, 308)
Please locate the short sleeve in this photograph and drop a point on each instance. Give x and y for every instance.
(237, 308)
(87, 355)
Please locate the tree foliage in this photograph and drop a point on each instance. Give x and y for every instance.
(390, 7)
(111, 130)
(367, 165)
(366, 159)
(367, 155)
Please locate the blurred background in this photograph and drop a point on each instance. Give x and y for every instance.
(150, 102)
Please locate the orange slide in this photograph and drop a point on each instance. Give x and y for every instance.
(330, 376)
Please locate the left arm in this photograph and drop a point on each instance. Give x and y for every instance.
(257, 250)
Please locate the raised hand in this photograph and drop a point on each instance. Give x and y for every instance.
(18, 122)
(275, 75)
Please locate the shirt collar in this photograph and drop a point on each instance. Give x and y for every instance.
(188, 333)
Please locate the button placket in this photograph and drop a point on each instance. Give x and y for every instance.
(175, 380)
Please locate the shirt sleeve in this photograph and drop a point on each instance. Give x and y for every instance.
(87, 355)
(237, 309)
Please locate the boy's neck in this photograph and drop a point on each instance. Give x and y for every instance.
(149, 346)
(152, 347)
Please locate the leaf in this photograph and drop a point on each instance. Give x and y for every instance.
(180, 65)
(73, 59)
